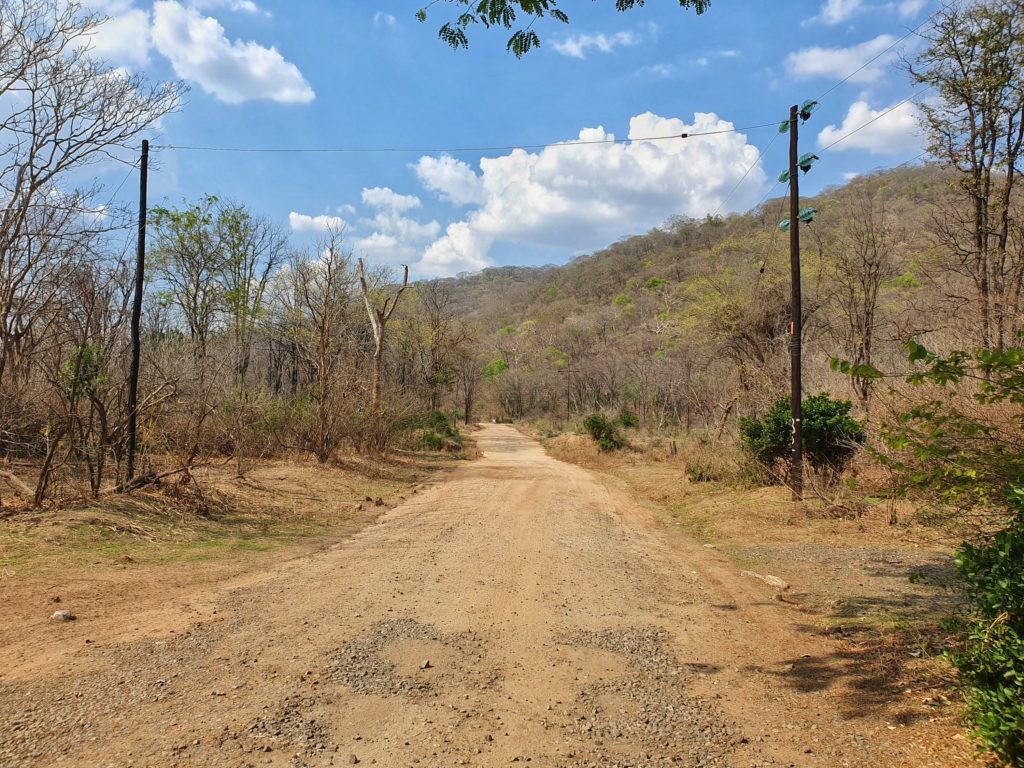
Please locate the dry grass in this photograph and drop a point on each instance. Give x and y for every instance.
(166, 544)
(210, 513)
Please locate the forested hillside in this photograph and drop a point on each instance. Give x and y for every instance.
(688, 325)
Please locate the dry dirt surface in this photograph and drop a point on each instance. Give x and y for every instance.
(519, 612)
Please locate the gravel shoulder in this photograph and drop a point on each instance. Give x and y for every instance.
(522, 611)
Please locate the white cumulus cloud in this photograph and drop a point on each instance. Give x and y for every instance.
(453, 180)
(394, 237)
(301, 222)
(385, 198)
(581, 197)
(840, 62)
(124, 37)
(381, 19)
(232, 70)
(242, 6)
(576, 47)
(838, 11)
(880, 132)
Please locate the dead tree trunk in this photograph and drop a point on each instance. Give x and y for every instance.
(378, 322)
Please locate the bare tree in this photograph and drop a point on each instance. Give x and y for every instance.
(66, 111)
(378, 323)
(974, 58)
(867, 244)
(323, 288)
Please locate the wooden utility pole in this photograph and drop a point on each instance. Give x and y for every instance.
(796, 326)
(140, 274)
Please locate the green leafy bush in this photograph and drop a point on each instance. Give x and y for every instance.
(431, 441)
(432, 431)
(439, 422)
(991, 664)
(966, 452)
(831, 435)
(628, 419)
(604, 432)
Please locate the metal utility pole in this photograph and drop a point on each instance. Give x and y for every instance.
(140, 267)
(796, 327)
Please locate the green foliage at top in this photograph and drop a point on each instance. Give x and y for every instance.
(506, 14)
(604, 432)
(655, 283)
(830, 434)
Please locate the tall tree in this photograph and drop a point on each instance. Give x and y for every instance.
(63, 111)
(379, 317)
(866, 246)
(974, 59)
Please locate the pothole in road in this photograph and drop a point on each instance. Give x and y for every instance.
(292, 727)
(643, 717)
(405, 657)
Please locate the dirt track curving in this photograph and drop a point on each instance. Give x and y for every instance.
(520, 612)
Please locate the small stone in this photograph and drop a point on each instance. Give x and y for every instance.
(379, 502)
(55, 599)
(353, 759)
(426, 664)
(63, 616)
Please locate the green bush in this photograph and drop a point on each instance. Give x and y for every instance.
(431, 441)
(831, 435)
(991, 664)
(439, 422)
(965, 451)
(604, 432)
(431, 431)
(628, 419)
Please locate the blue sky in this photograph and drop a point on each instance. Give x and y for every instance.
(359, 74)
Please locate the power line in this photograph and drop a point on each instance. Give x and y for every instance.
(453, 150)
(782, 201)
(880, 54)
(760, 154)
(877, 117)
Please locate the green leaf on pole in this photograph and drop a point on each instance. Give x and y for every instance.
(807, 108)
(784, 225)
(807, 214)
(783, 177)
(784, 126)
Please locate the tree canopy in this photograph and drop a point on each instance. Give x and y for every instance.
(511, 14)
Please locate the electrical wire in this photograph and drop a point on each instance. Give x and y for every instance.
(877, 117)
(880, 54)
(760, 155)
(453, 150)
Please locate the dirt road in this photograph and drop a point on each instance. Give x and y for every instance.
(520, 612)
